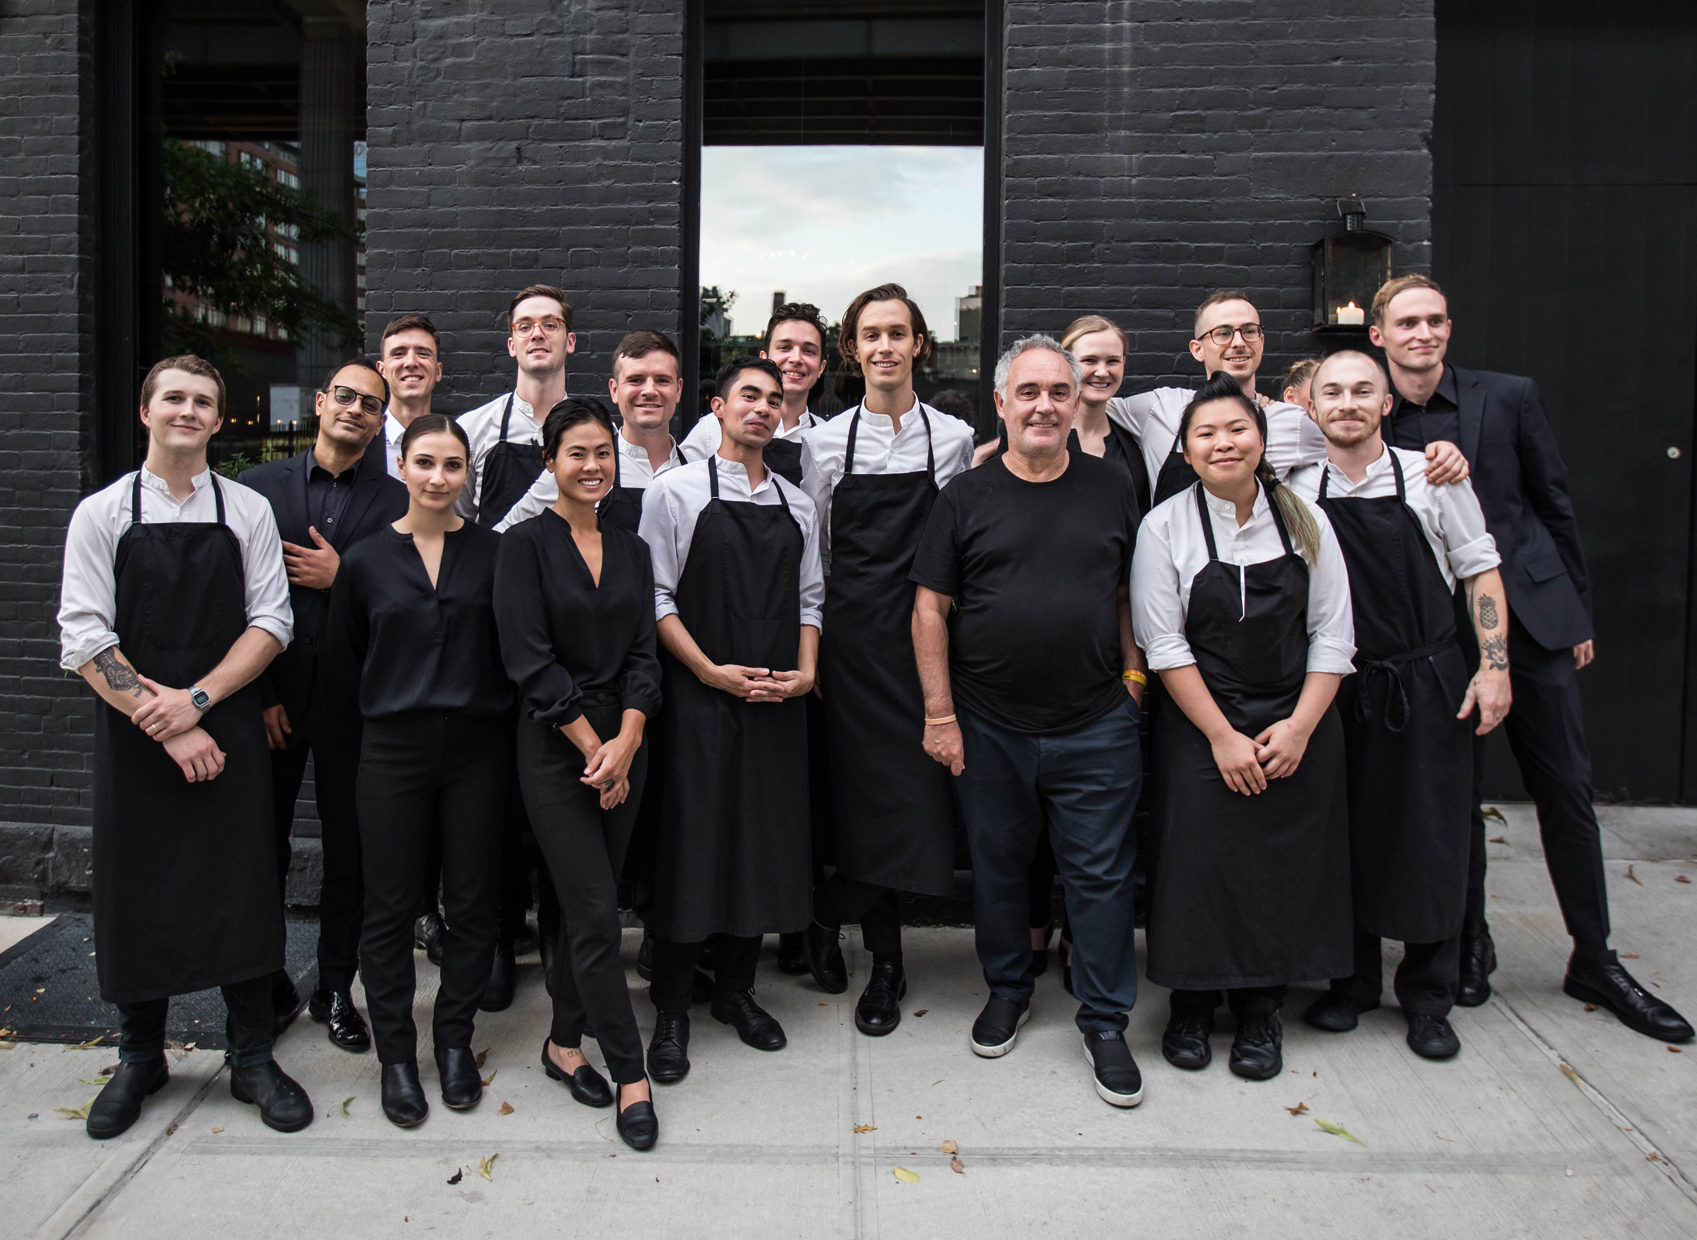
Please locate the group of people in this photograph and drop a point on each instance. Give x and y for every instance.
(754, 680)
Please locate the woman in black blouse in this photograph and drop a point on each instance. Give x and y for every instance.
(575, 601)
(412, 631)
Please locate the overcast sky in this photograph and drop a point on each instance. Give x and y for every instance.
(822, 223)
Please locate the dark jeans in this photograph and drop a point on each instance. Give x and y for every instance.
(428, 774)
(734, 961)
(1244, 1001)
(1546, 731)
(1079, 788)
(877, 910)
(585, 849)
(141, 1026)
(1426, 979)
(341, 898)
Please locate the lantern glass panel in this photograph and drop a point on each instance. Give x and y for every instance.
(1349, 269)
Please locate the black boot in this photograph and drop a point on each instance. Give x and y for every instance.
(1600, 978)
(792, 953)
(1185, 1042)
(462, 1087)
(753, 1023)
(427, 935)
(498, 994)
(1257, 1051)
(119, 1103)
(403, 1097)
(283, 1104)
(1478, 962)
(825, 958)
(347, 1028)
(879, 1010)
(668, 1049)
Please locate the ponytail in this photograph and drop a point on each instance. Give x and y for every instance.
(1298, 516)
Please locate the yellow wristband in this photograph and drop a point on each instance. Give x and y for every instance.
(1135, 675)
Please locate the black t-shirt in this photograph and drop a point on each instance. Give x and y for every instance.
(1035, 570)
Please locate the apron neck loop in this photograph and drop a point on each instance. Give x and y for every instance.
(1326, 479)
(1207, 522)
(618, 458)
(506, 418)
(1396, 472)
(217, 494)
(135, 501)
(713, 475)
(854, 429)
(211, 481)
(930, 444)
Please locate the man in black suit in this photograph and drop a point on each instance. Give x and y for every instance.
(1518, 475)
(326, 499)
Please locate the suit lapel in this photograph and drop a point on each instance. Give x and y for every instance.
(1472, 415)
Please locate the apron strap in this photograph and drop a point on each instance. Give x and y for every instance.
(618, 457)
(1396, 472)
(930, 445)
(135, 501)
(506, 418)
(1207, 524)
(854, 428)
(713, 475)
(1326, 479)
(217, 494)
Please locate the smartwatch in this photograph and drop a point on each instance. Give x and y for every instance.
(200, 698)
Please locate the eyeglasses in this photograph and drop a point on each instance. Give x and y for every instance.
(346, 396)
(550, 326)
(1222, 335)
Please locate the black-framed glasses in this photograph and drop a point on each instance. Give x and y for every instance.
(1222, 335)
(345, 396)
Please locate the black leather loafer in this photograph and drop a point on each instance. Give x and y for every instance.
(1603, 980)
(1185, 1043)
(498, 993)
(879, 1010)
(462, 1087)
(427, 935)
(753, 1023)
(404, 1102)
(119, 1103)
(1431, 1037)
(1257, 1051)
(1335, 1012)
(825, 958)
(997, 1026)
(1478, 962)
(1112, 1069)
(586, 1084)
(282, 1103)
(668, 1049)
(638, 1126)
(792, 953)
(346, 1027)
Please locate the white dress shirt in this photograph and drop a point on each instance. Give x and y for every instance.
(89, 601)
(1449, 515)
(675, 500)
(1171, 550)
(392, 432)
(634, 471)
(879, 450)
(1153, 418)
(482, 427)
(703, 438)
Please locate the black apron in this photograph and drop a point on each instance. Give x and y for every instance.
(1251, 891)
(783, 457)
(1176, 474)
(185, 875)
(621, 507)
(1410, 758)
(508, 471)
(892, 807)
(732, 853)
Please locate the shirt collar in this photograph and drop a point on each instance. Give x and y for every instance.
(1226, 510)
(1446, 387)
(883, 419)
(392, 428)
(154, 482)
(738, 470)
(1379, 467)
(312, 464)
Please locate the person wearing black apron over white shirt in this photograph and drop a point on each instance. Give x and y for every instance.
(1406, 734)
(174, 599)
(737, 590)
(873, 472)
(1240, 598)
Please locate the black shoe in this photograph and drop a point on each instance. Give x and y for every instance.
(1257, 1053)
(1603, 980)
(1335, 1012)
(645, 958)
(754, 1024)
(1040, 955)
(997, 1026)
(1478, 962)
(347, 1028)
(462, 1087)
(498, 993)
(668, 1049)
(427, 934)
(1118, 1081)
(792, 953)
(285, 1003)
(1185, 1042)
(638, 1125)
(879, 1010)
(119, 1103)
(586, 1084)
(1431, 1037)
(825, 958)
(283, 1104)
(404, 1102)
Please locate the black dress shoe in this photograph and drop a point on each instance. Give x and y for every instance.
(119, 1103)
(1257, 1051)
(1335, 1012)
(753, 1023)
(825, 958)
(285, 1003)
(1603, 980)
(1115, 1073)
(792, 953)
(668, 1049)
(638, 1125)
(1478, 962)
(1185, 1042)
(283, 1104)
(498, 993)
(1431, 1037)
(404, 1102)
(462, 1087)
(586, 1084)
(427, 935)
(347, 1028)
(997, 1026)
(645, 958)
(879, 1010)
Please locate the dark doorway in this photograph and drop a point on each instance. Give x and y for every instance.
(1565, 232)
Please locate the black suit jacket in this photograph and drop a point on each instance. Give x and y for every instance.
(1521, 482)
(377, 500)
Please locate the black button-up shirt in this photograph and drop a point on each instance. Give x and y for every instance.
(327, 495)
(1412, 426)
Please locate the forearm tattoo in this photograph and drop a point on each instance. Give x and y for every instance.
(1488, 611)
(1495, 652)
(120, 676)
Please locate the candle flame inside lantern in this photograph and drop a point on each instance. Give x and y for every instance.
(1351, 315)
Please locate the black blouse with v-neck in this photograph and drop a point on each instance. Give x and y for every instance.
(564, 638)
(407, 645)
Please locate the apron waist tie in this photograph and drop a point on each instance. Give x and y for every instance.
(1391, 670)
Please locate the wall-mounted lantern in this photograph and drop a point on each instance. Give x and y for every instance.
(1349, 267)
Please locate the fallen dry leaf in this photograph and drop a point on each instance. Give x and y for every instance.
(1628, 956)
(1633, 876)
(922, 1011)
(957, 1166)
(346, 1103)
(1300, 1108)
(1680, 878)
(1590, 1007)
(80, 1113)
(170, 1128)
(866, 1127)
(481, 1056)
(906, 1176)
(1491, 811)
(88, 1045)
(218, 1129)
(1338, 1130)
(457, 1176)
(1674, 1049)
(95, 1080)
(486, 1165)
(490, 1079)
(1498, 839)
(506, 1109)
(948, 1147)
(1571, 1075)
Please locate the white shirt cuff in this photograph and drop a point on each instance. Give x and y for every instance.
(1165, 653)
(1326, 654)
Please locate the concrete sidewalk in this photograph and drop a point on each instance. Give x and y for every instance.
(1553, 1121)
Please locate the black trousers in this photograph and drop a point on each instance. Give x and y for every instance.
(877, 910)
(1426, 979)
(584, 847)
(734, 959)
(1546, 731)
(341, 898)
(141, 1026)
(1243, 1001)
(427, 774)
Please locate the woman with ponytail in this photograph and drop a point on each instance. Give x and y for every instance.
(1240, 599)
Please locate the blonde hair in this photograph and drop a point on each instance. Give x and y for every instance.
(1401, 284)
(1089, 325)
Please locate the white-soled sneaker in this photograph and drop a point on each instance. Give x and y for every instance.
(1112, 1068)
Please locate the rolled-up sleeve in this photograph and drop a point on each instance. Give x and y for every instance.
(812, 574)
(1331, 622)
(1157, 605)
(1293, 439)
(267, 579)
(659, 529)
(88, 596)
(1468, 546)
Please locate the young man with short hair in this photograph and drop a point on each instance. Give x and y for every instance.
(410, 361)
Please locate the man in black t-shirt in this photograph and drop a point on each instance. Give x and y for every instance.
(1032, 700)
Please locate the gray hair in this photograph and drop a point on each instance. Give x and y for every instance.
(1030, 344)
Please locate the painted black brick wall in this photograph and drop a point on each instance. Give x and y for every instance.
(1156, 150)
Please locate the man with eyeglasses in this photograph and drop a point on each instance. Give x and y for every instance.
(325, 500)
(410, 361)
